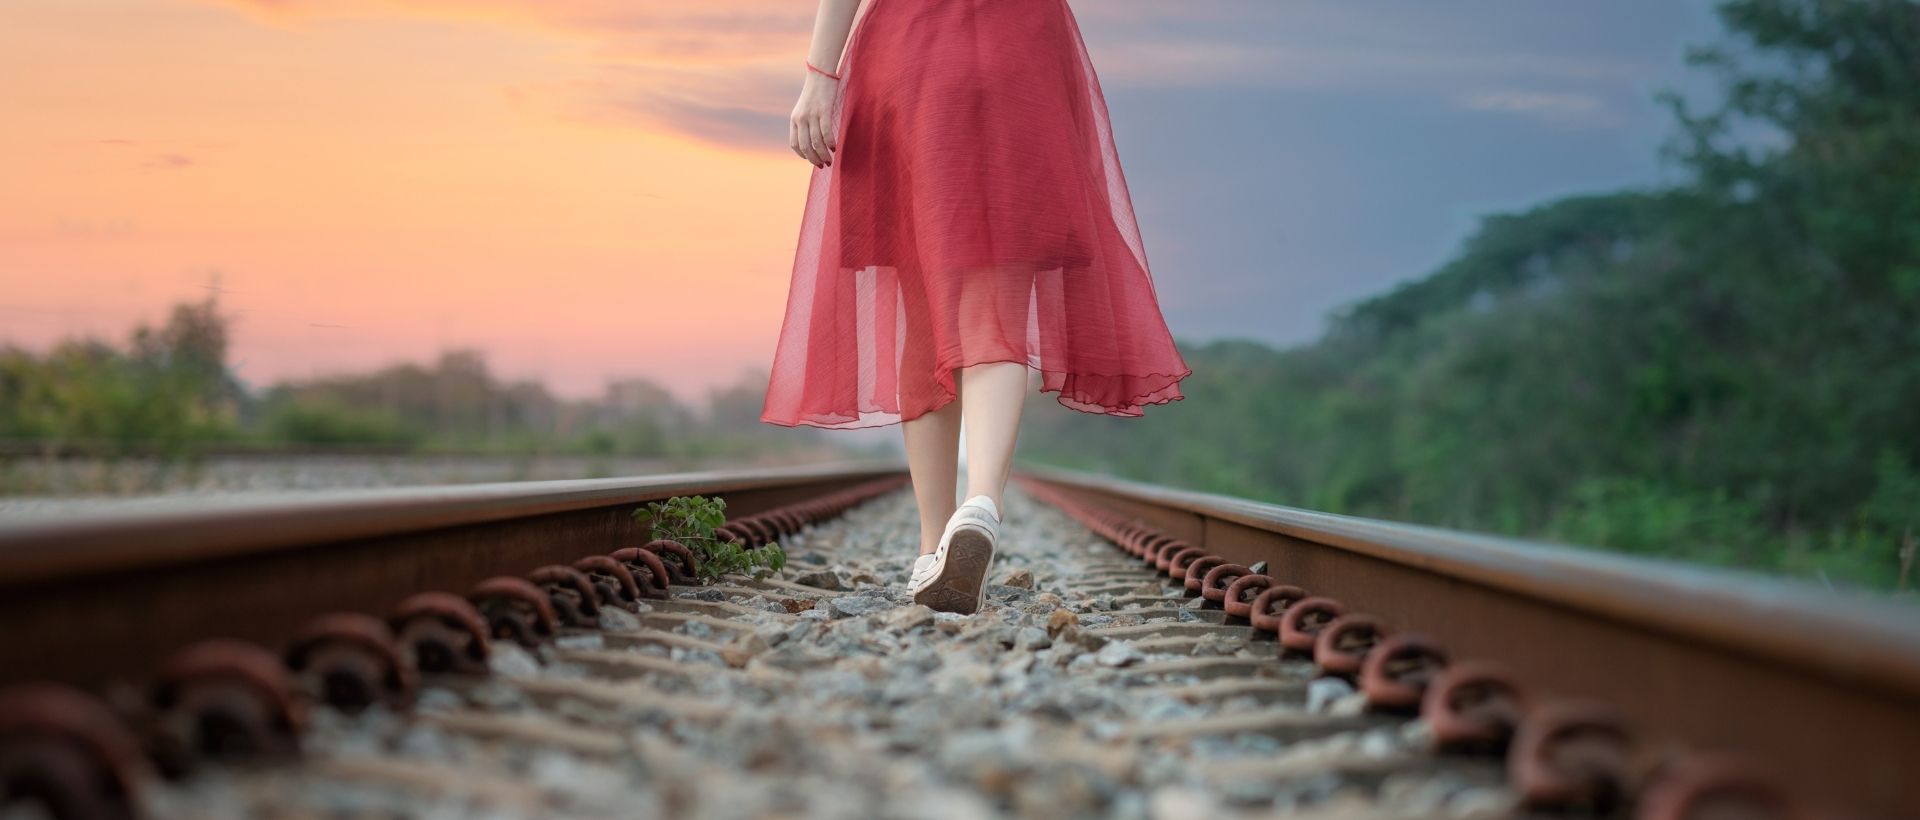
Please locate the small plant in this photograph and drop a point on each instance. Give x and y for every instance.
(691, 521)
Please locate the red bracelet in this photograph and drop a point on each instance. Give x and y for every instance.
(812, 67)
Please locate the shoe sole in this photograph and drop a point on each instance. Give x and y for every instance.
(961, 584)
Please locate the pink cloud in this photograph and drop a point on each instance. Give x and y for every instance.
(168, 162)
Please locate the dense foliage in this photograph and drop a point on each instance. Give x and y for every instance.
(1725, 371)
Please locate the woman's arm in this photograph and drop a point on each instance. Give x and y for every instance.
(811, 133)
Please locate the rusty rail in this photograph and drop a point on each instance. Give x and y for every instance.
(90, 600)
(159, 640)
(1802, 683)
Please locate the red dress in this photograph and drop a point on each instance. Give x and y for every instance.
(974, 212)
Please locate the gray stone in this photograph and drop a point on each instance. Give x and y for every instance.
(853, 605)
(1033, 637)
(1322, 692)
(1379, 743)
(581, 640)
(908, 618)
(509, 660)
(1118, 653)
(434, 698)
(821, 579)
(615, 619)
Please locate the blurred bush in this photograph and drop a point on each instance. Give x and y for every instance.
(327, 423)
(166, 391)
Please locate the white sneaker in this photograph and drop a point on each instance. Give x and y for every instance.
(922, 570)
(957, 580)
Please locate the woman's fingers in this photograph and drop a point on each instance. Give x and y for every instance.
(820, 148)
(810, 145)
(793, 138)
(803, 139)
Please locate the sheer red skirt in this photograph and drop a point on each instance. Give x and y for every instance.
(975, 212)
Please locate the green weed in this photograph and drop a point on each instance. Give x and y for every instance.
(691, 521)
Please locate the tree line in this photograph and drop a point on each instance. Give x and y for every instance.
(169, 391)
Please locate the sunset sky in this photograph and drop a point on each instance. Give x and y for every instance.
(592, 189)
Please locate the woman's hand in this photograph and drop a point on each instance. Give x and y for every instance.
(811, 132)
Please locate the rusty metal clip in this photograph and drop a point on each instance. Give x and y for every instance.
(574, 600)
(1266, 608)
(515, 610)
(1571, 755)
(1213, 584)
(227, 700)
(350, 660)
(1178, 562)
(69, 752)
(1240, 595)
(442, 633)
(612, 582)
(648, 571)
(1398, 670)
(680, 561)
(1473, 706)
(1705, 786)
(1342, 646)
(1300, 625)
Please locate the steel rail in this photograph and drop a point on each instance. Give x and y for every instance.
(91, 600)
(1819, 685)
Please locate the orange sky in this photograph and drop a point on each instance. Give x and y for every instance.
(386, 179)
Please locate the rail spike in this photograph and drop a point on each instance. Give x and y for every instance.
(1398, 670)
(351, 661)
(442, 633)
(1214, 582)
(1473, 706)
(572, 595)
(680, 561)
(1342, 646)
(1266, 608)
(1703, 786)
(1239, 596)
(226, 700)
(68, 753)
(1300, 625)
(1192, 577)
(647, 569)
(1572, 755)
(612, 582)
(515, 610)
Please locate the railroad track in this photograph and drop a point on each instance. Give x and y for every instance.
(279, 659)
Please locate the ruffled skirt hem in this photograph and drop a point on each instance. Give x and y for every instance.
(1120, 395)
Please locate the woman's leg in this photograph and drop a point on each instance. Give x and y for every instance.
(995, 392)
(933, 447)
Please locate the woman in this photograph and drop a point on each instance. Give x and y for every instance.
(967, 221)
